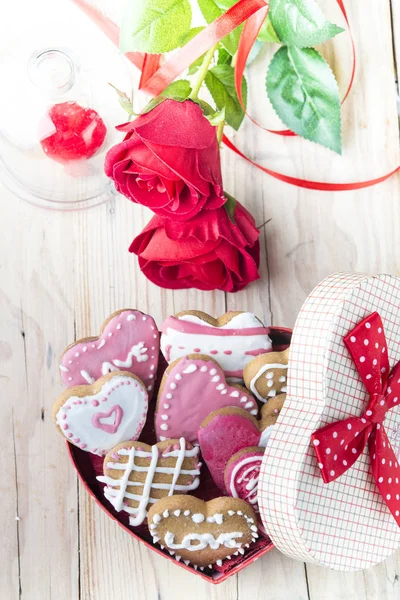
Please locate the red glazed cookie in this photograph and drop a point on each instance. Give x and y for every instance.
(96, 417)
(137, 475)
(232, 339)
(202, 533)
(193, 387)
(266, 375)
(129, 341)
(227, 431)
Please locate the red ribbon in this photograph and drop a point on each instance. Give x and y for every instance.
(339, 445)
(155, 78)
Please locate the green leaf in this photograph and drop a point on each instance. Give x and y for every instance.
(301, 23)
(154, 26)
(207, 109)
(224, 58)
(221, 85)
(267, 33)
(211, 10)
(230, 206)
(304, 93)
(124, 101)
(217, 117)
(178, 90)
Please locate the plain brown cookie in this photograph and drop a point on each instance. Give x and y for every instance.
(271, 410)
(202, 533)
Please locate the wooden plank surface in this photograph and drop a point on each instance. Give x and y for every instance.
(62, 273)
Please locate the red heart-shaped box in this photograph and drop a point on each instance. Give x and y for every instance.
(88, 466)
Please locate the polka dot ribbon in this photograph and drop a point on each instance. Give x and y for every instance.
(338, 445)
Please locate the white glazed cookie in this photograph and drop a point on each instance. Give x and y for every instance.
(137, 475)
(232, 339)
(96, 417)
(203, 533)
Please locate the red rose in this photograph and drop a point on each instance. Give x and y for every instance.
(169, 161)
(209, 252)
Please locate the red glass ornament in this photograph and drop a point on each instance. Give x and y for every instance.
(79, 132)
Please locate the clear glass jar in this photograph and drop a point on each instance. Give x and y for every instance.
(57, 121)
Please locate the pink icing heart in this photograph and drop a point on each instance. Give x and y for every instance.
(223, 434)
(189, 392)
(80, 418)
(108, 427)
(242, 473)
(129, 342)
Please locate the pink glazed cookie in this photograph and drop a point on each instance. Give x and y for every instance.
(233, 339)
(225, 432)
(242, 473)
(129, 341)
(193, 387)
(98, 416)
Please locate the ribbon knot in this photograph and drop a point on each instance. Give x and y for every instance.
(339, 445)
(377, 409)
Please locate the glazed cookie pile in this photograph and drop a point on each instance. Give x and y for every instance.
(218, 398)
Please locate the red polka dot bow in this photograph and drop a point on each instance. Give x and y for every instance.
(339, 444)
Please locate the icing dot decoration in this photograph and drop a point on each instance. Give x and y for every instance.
(198, 388)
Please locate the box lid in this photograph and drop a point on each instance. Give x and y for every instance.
(344, 524)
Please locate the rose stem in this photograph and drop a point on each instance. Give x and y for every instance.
(201, 75)
(220, 132)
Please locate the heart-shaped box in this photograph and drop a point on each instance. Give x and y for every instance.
(344, 524)
(88, 466)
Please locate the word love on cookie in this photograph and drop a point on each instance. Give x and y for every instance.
(129, 341)
(137, 475)
(233, 339)
(191, 389)
(202, 533)
(96, 417)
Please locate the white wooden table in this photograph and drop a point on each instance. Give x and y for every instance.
(61, 274)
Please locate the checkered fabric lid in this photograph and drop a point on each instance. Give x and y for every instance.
(345, 524)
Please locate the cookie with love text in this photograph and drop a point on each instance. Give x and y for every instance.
(98, 416)
(225, 432)
(192, 387)
(202, 533)
(128, 341)
(241, 474)
(137, 475)
(266, 375)
(232, 339)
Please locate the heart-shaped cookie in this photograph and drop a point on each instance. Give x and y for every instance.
(202, 533)
(137, 475)
(96, 417)
(227, 431)
(193, 387)
(242, 472)
(266, 375)
(129, 341)
(233, 339)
